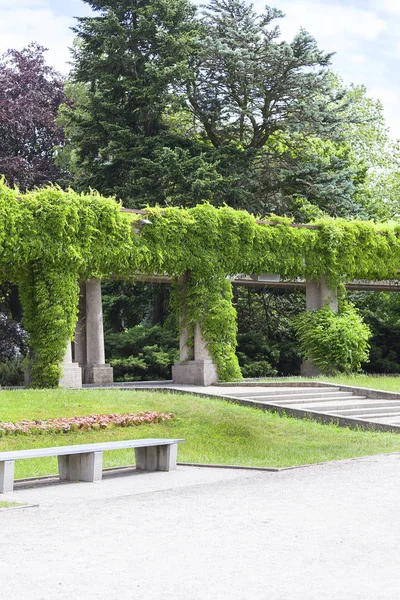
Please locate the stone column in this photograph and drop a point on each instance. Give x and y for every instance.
(79, 346)
(72, 372)
(318, 294)
(199, 371)
(185, 352)
(195, 366)
(89, 335)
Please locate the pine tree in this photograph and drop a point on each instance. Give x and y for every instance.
(126, 60)
(246, 84)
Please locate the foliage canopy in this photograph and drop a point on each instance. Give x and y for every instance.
(49, 239)
(186, 107)
(30, 95)
(334, 342)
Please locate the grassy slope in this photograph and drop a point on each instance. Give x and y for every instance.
(215, 431)
(378, 382)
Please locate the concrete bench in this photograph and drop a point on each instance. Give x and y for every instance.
(84, 462)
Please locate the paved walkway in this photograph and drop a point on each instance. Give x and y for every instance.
(326, 532)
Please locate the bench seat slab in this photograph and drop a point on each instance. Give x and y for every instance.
(157, 458)
(6, 476)
(81, 467)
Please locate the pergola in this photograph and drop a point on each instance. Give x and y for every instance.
(52, 239)
(84, 361)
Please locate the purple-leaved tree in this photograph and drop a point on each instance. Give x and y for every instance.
(30, 94)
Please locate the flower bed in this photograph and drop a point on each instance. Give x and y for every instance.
(96, 422)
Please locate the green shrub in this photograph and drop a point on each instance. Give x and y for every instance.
(334, 342)
(12, 372)
(256, 355)
(144, 352)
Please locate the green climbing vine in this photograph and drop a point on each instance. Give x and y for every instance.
(49, 239)
(208, 302)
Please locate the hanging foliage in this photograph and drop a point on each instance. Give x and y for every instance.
(49, 239)
(334, 342)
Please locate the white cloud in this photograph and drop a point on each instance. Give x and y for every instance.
(26, 21)
(362, 39)
(358, 59)
(328, 22)
(387, 6)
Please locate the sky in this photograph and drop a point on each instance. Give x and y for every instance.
(363, 33)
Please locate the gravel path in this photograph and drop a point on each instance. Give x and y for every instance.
(328, 531)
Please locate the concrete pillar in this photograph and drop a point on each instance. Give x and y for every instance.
(195, 365)
(185, 351)
(201, 370)
(89, 335)
(79, 346)
(318, 294)
(71, 372)
(94, 324)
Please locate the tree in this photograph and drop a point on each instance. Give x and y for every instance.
(178, 110)
(125, 61)
(30, 95)
(246, 85)
(380, 310)
(224, 112)
(274, 114)
(376, 154)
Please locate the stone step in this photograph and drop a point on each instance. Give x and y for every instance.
(367, 412)
(301, 397)
(372, 417)
(286, 391)
(373, 407)
(318, 400)
(339, 404)
(335, 409)
(330, 403)
(388, 420)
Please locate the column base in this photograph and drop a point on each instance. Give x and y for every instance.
(72, 376)
(195, 372)
(98, 374)
(307, 369)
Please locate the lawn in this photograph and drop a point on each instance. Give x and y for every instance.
(389, 383)
(216, 431)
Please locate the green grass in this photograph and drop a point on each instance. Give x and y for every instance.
(389, 383)
(5, 504)
(215, 431)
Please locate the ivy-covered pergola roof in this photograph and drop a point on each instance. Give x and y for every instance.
(50, 238)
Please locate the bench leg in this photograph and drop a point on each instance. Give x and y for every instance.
(157, 458)
(81, 467)
(6, 476)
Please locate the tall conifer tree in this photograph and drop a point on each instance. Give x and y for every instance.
(126, 59)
